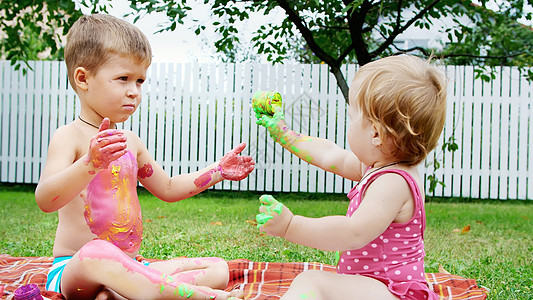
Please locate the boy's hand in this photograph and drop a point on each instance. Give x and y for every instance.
(106, 146)
(274, 218)
(235, 167)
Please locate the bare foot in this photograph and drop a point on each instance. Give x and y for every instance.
(236, 294)
(104, 295)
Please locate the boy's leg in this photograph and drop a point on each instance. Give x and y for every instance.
(315, 284)
(205, 271)
(99, 265)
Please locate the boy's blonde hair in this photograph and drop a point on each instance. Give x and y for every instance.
(404, 97)
(93, 38)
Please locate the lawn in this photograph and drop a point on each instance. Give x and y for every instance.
(497, 251)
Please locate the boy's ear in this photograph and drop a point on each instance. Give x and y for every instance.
(80, 78)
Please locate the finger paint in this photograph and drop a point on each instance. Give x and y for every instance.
(263, 102)
(270, 204)
(235, 167)
(184, 291)
(283, 135)
(102, 250)
(204, 179)
(309, 295)
(189, 276)
(112, 208)
(146, 171)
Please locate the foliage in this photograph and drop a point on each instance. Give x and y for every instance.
(360, 31)
(34, 28)
(331, 32)
(496, 40)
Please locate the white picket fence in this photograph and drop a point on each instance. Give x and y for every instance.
(192, 114)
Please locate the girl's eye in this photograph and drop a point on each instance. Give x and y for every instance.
(123, 78)
(140, 81)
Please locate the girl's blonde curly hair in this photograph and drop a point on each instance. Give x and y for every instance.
(404, 97)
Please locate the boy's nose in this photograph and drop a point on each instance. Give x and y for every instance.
(133, 91)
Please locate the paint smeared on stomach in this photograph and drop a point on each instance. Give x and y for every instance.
(112, 208)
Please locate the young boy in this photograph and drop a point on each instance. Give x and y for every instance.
(91, 174)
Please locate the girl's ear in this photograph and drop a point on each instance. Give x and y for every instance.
(80, 78)
(376, 139)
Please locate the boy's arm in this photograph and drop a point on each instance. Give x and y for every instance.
(63, 177)
(319, 152)
(171, 189)
(338, 233)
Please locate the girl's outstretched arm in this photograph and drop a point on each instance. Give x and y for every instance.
(319, 152)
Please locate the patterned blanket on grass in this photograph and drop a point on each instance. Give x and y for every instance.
(258, 280)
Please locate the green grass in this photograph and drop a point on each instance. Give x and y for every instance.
(497, 251)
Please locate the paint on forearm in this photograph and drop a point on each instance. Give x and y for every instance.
(287, 138)
(146, 171)
(203, 180)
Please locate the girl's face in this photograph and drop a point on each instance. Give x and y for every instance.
(114, 91)
(361, 132)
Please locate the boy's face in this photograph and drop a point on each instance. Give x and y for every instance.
(114, 91)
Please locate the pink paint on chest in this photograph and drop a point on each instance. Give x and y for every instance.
(112, 208)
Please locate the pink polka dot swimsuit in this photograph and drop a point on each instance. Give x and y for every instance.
(396, 257)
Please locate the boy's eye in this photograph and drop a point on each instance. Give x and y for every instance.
(140, 81)
(123, 78)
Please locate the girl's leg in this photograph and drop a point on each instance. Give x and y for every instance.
(315, 284)
(99, 265)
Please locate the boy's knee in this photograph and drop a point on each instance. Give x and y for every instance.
(220, 271)
(98, 249)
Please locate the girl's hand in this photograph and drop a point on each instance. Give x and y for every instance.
(275, 124)
(235, 167)
(274, 218)
(106, 146)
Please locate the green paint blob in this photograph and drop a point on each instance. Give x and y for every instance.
(270, 204)
(262, 219)
(310, 295)
(185, 291)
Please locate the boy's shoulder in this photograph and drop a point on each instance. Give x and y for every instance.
(69, 129)
(69, 134)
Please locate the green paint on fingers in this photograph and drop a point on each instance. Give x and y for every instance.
(270, 204)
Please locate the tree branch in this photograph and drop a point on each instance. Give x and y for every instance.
(399, 29)
(306, 33)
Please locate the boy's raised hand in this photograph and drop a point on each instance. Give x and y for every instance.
(106, 146)
(234, 166)
(274, 218)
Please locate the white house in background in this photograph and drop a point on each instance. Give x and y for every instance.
(434, 37)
